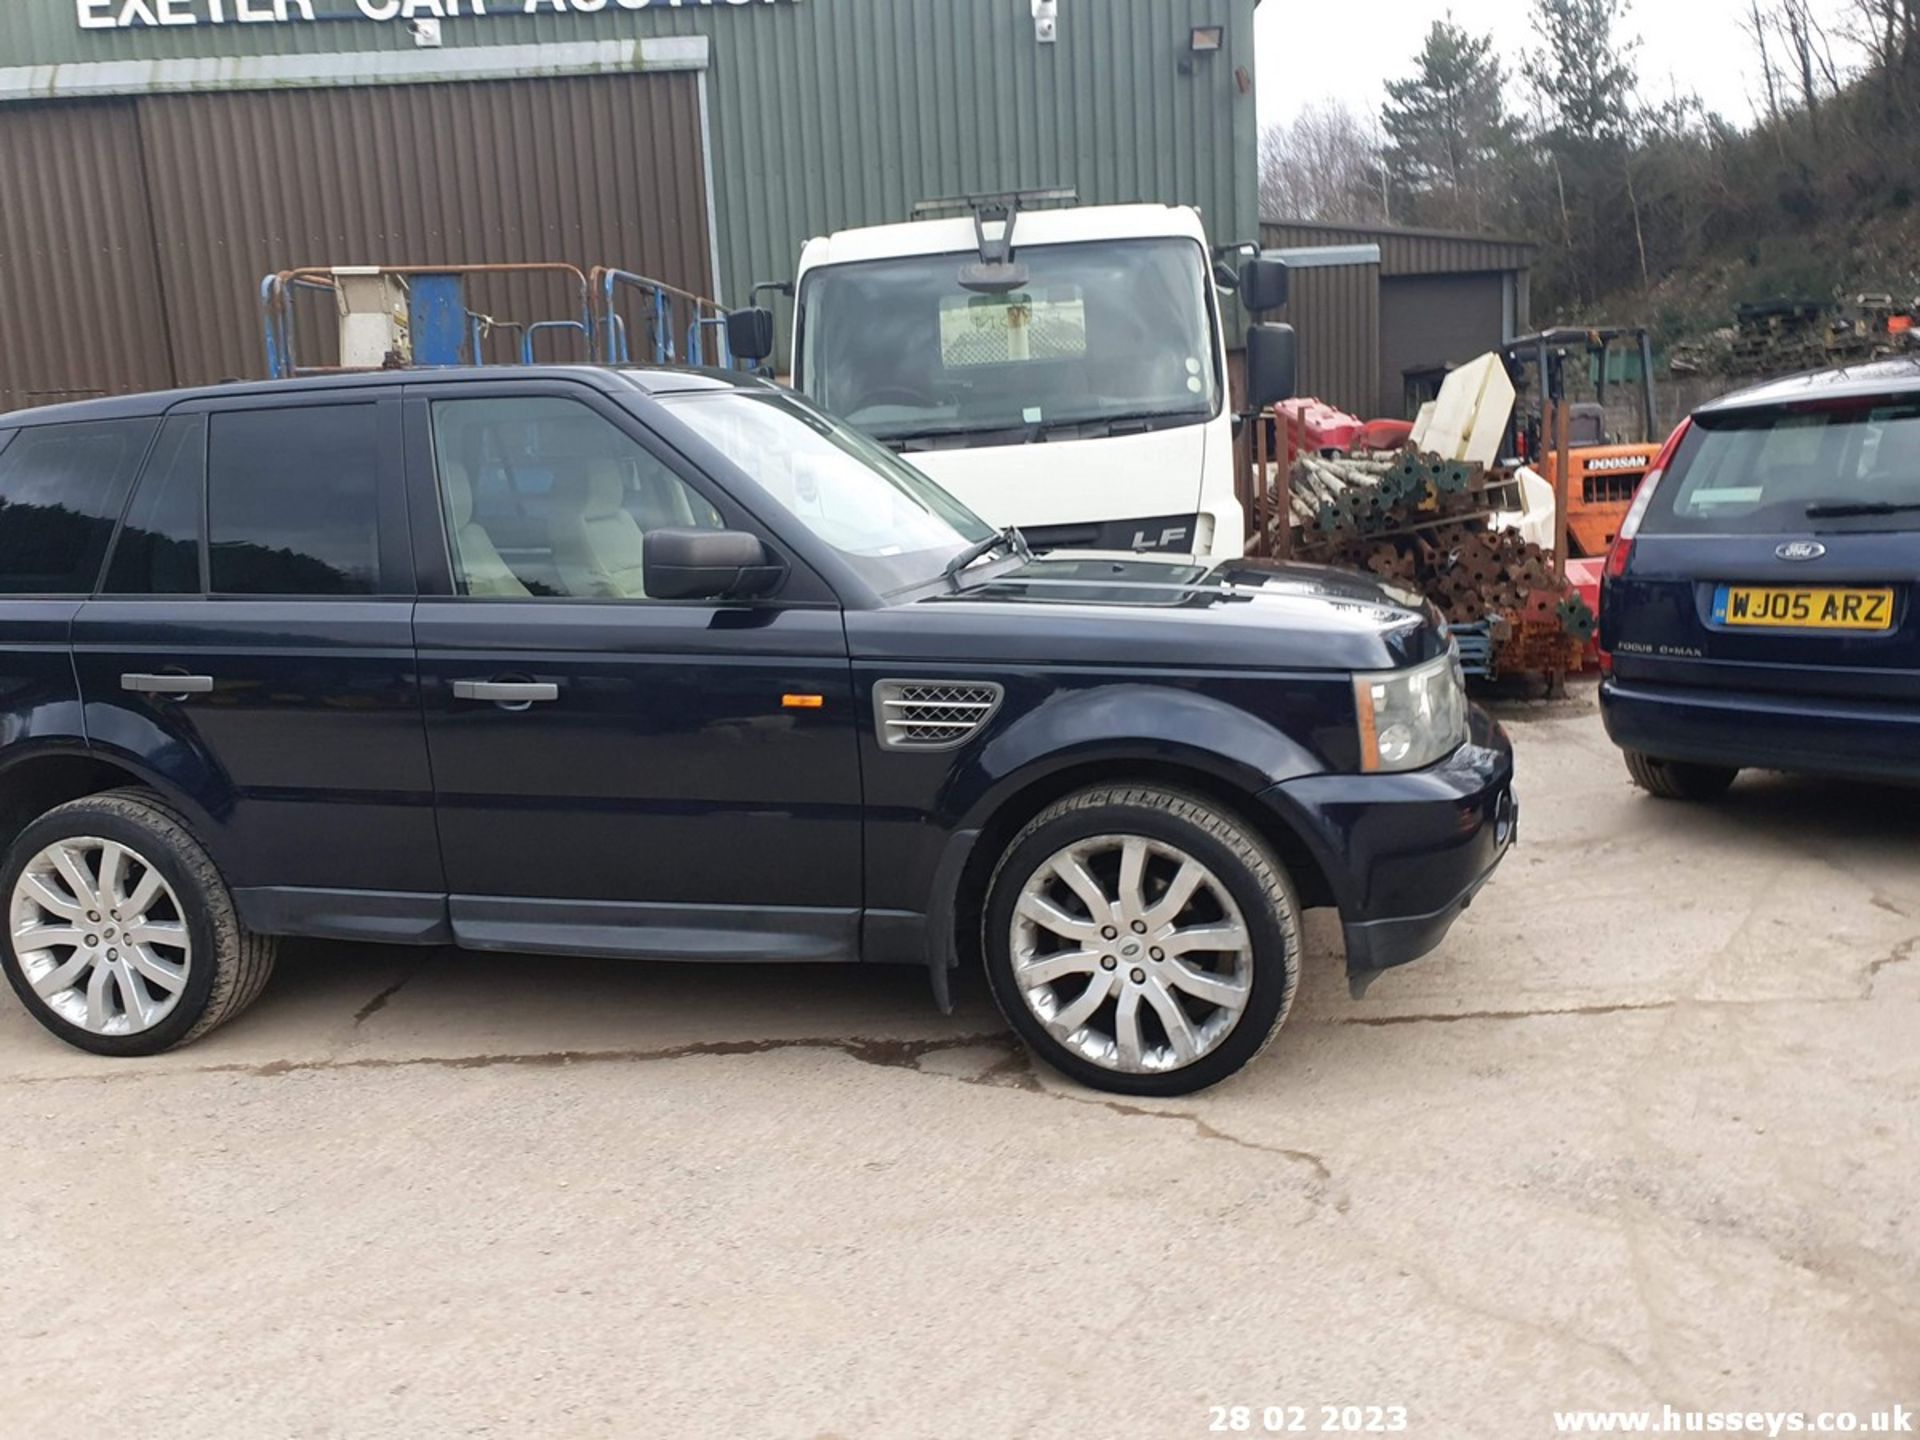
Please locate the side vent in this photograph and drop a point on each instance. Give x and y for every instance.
(932, 714)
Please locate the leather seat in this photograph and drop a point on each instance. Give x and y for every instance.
(477, 560)
(598, 547)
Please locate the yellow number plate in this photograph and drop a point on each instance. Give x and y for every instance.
(1809, 608)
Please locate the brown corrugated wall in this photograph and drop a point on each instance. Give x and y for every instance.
(591, 170)
(157, 249)
(1406, 252)
(1335, 310)
(79, 303)
(1437, 298)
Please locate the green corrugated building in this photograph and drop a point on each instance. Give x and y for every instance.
(158, 157)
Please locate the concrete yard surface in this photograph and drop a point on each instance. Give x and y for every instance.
(1645, 1130)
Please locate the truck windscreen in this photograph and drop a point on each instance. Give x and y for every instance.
(1105, 337)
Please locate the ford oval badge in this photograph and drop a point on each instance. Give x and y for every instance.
(1801, 550)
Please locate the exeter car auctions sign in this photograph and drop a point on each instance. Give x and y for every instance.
(125, 14)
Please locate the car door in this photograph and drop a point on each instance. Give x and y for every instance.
(619, 774)
(251, 648)
(61, 491)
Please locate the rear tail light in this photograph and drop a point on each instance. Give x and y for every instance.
(1621, 550)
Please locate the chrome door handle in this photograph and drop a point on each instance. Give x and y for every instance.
(167, 684)
(505, 692)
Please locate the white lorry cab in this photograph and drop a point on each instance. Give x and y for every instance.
(1060, 370)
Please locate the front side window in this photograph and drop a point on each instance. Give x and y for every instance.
(61, 489)
(893, 524)
(1103, 336)
(1838, 466)
(545, 497)
(292, 501)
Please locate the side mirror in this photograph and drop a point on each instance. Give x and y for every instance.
(750, 334)
(1263, 285)
(708, 565)
(1271, 366)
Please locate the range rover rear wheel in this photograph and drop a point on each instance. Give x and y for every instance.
(1141, 940)
(1677, 780)
(121, 936)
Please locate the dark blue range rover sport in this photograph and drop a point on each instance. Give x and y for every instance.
(1759, 606)
(671, 665)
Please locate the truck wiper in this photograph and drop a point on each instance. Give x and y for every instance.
(930, 439)
(1861, 507)
(1100, 427)
(1010, 538)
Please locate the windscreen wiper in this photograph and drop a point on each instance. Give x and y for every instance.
(1100, 427)
(1840, 510)
(930, 439)
(1010, 538)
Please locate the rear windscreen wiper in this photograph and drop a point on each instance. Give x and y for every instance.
(1839, 510)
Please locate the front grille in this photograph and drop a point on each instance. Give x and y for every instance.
(1611, 487)
(932, 714)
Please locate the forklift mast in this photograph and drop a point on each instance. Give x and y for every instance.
(1545, 357)
(1594, 479)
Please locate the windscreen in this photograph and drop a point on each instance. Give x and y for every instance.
(893, 524)
(1836, 466)
(1102, 334)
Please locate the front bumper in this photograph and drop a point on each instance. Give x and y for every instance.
(1863, 739)
(1405, 854)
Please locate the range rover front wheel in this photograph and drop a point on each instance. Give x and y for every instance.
(1142, 941)
(121, 936)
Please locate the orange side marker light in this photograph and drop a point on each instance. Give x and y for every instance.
(802, 702)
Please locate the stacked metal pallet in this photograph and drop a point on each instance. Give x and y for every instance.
(1423, 523)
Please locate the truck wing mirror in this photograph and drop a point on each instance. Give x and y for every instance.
(1271, 362)
(750, 334)
(1263, 284)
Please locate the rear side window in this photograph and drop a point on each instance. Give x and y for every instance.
(1839, 467)
(158, 552)
(293, 500)
(61, 489)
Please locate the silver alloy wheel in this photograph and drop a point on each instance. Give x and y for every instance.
(1132, 953)
(101, 936)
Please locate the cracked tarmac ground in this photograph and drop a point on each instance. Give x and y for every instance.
(1646, 1129)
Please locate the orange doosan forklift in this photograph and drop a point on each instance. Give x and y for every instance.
(1604, 469)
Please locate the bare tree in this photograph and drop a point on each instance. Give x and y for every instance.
(1797, 28)
(1886, 35)
(1756, 28)
(1323, 165)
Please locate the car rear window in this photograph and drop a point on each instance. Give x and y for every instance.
(61, 489)
(1839, 467)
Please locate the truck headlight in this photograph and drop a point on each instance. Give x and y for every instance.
(1411, 718)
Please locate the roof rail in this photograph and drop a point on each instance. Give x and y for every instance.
(995, 200)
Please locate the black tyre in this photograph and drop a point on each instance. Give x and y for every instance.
(1141, 940)
(1677, 780)
(122, 938)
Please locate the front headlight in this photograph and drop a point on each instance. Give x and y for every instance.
(1411, 718)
